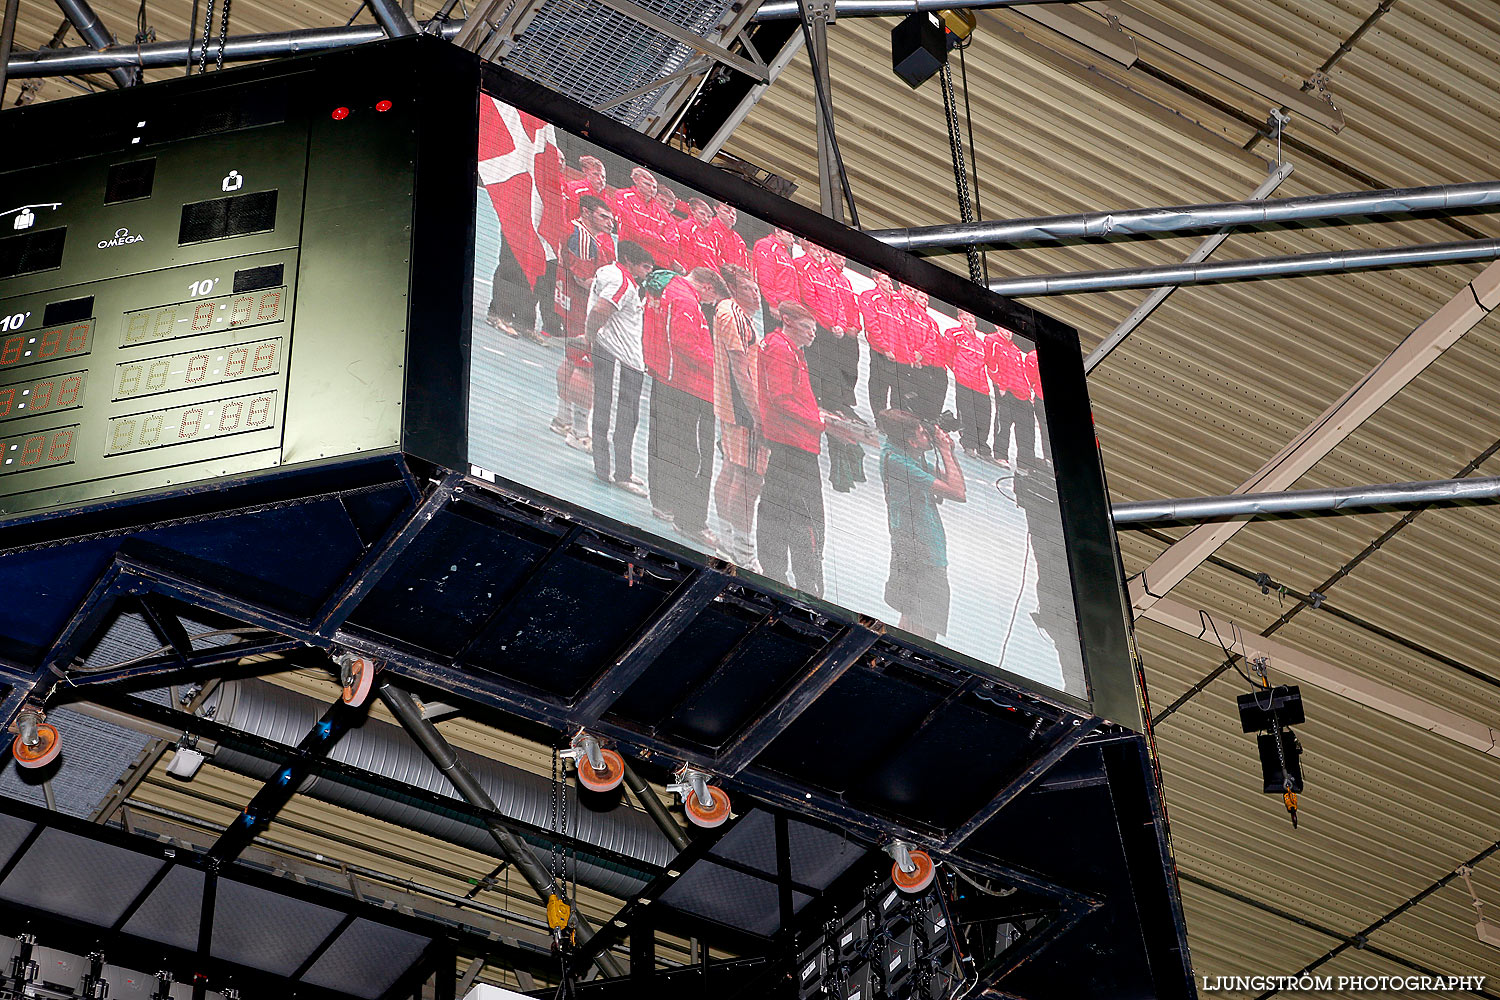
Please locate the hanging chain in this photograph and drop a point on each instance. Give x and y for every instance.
(960, 170)
(1288, 797)
(208, 27)
(552, 819)
(223, 35)
(562, 794)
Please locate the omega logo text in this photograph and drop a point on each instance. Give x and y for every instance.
(121, 238)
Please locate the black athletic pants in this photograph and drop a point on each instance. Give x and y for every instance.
(1020, 414)
(627, 415)
(789, 523)
(973, 416)
(882, 384)
(680, 464)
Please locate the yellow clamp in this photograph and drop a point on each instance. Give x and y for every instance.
(557, 913)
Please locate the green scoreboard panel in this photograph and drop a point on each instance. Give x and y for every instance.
(209, 278)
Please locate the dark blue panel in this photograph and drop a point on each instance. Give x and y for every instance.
(447, 583)
(574, 616)
(288, 558)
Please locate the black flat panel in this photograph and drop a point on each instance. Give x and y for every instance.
(366, 959)
(222, 218)
(170, 914)
(68, 311)
(728, 897)
(949, 771)
(12, 832)
(82, 879)
(763, 665)
(447, 584)
(35, 251)
(684, 664)
(845, 730)
(129, 181)
(265, 931)
(252, 279)
(574, 617)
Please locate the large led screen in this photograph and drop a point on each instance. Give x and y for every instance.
(648, 352)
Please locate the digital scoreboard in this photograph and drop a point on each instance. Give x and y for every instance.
(216, 280)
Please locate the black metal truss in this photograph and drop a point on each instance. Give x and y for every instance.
(629, 914)
(286, 757)
(190, 964)
(158, 580)
(278, 791)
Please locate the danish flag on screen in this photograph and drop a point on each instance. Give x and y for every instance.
(521, 167)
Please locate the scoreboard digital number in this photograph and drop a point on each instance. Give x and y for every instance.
(157, 379)
(42, 395)
(43, 450)
(182, 424)
(70, 340)
(198, 316)
(194, 368)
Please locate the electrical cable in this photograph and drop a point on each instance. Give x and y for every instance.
(984, 889)
(142, 36)
(827, 108)
(1233, 659)
(1016, 608)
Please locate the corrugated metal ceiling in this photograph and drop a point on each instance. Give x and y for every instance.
(1211, 386)
(1217, 381)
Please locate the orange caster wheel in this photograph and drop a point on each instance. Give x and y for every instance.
(606, 780)
(358, 674)
(48, 746)
(707, 818)
(919, 878)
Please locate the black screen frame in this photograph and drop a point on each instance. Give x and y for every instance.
(1093, 557)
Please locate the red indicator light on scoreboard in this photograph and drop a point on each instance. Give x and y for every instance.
(339, 114)
(383, 105)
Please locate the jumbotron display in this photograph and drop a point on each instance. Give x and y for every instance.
(652, 354)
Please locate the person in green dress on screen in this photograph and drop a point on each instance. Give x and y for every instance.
(917, 585)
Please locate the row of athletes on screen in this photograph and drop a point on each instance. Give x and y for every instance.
(733, 418)
(913, 352)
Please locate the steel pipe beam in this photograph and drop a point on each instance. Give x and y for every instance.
(7, 36)
(1420, 348)
(1278, 173)
(956, 237)
(512, 847)
(655, 808)
(94, 34)
(240, 48)
(391, 18)
(1248, 270)
(1306, 501)
(785, 10)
